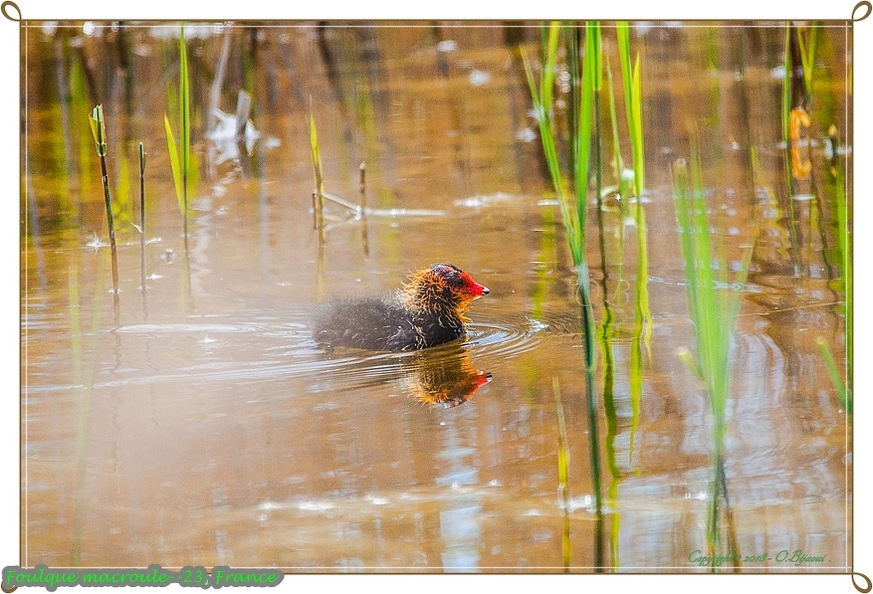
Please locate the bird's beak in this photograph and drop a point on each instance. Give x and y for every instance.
(480, 290)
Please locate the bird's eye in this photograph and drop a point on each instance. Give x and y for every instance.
(450, 274)
(455, 279)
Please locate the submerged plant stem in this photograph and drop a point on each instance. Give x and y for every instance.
(714, 313)
(318, 193)
(98, 128)
(142, 225)
(362, 168)
(584, 99)
(181, 159)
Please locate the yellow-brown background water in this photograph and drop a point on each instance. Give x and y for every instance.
(202, 425)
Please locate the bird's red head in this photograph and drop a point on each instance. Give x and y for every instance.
(459, 282)
(442, 288)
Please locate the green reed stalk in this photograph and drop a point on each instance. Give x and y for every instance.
(786, 86)
(592, 82)
(848, 289)
(836, 182)
(573, 39)
(786, 139)
(574, 206)
(184, 118)
(631, 74)
(542, 96)
(98, 129)
(181, 160)
(834, 373)
(632, 83)
(807, 59)
(626, 177)
(605, 336)
(713, 312)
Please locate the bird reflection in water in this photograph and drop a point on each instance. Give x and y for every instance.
(442, 377)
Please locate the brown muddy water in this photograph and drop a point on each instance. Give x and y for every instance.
(197, 423)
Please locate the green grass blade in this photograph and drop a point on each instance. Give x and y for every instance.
(98, 129)
(592, 41)
(622, 33)
(813, 49)
(834, 373)
(837, 182)
(632, 85)
(574, 214)
(547, 74)
(316, 155)
(807, 58)
(804, 56)
(714, 314)
(613, 120)
(583, 135)
(683, 210)
(184, 119)
(572, 36)
(318, 193)
(786, 84)
(175, 165)
(625, 177)
(637, 130)
(542, 109)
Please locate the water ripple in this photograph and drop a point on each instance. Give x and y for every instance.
(283, 351)
(505, 341)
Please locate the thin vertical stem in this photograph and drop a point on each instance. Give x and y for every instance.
(318, 193)
(109, 217)
(142, 226)
(98, 129)
(184, 119)
(786, 138)
(362, 168)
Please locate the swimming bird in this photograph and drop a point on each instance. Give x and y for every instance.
(429, 310)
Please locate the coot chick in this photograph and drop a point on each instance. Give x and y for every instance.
(428, 311)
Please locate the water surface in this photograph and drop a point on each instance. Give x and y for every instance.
(199, 424)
